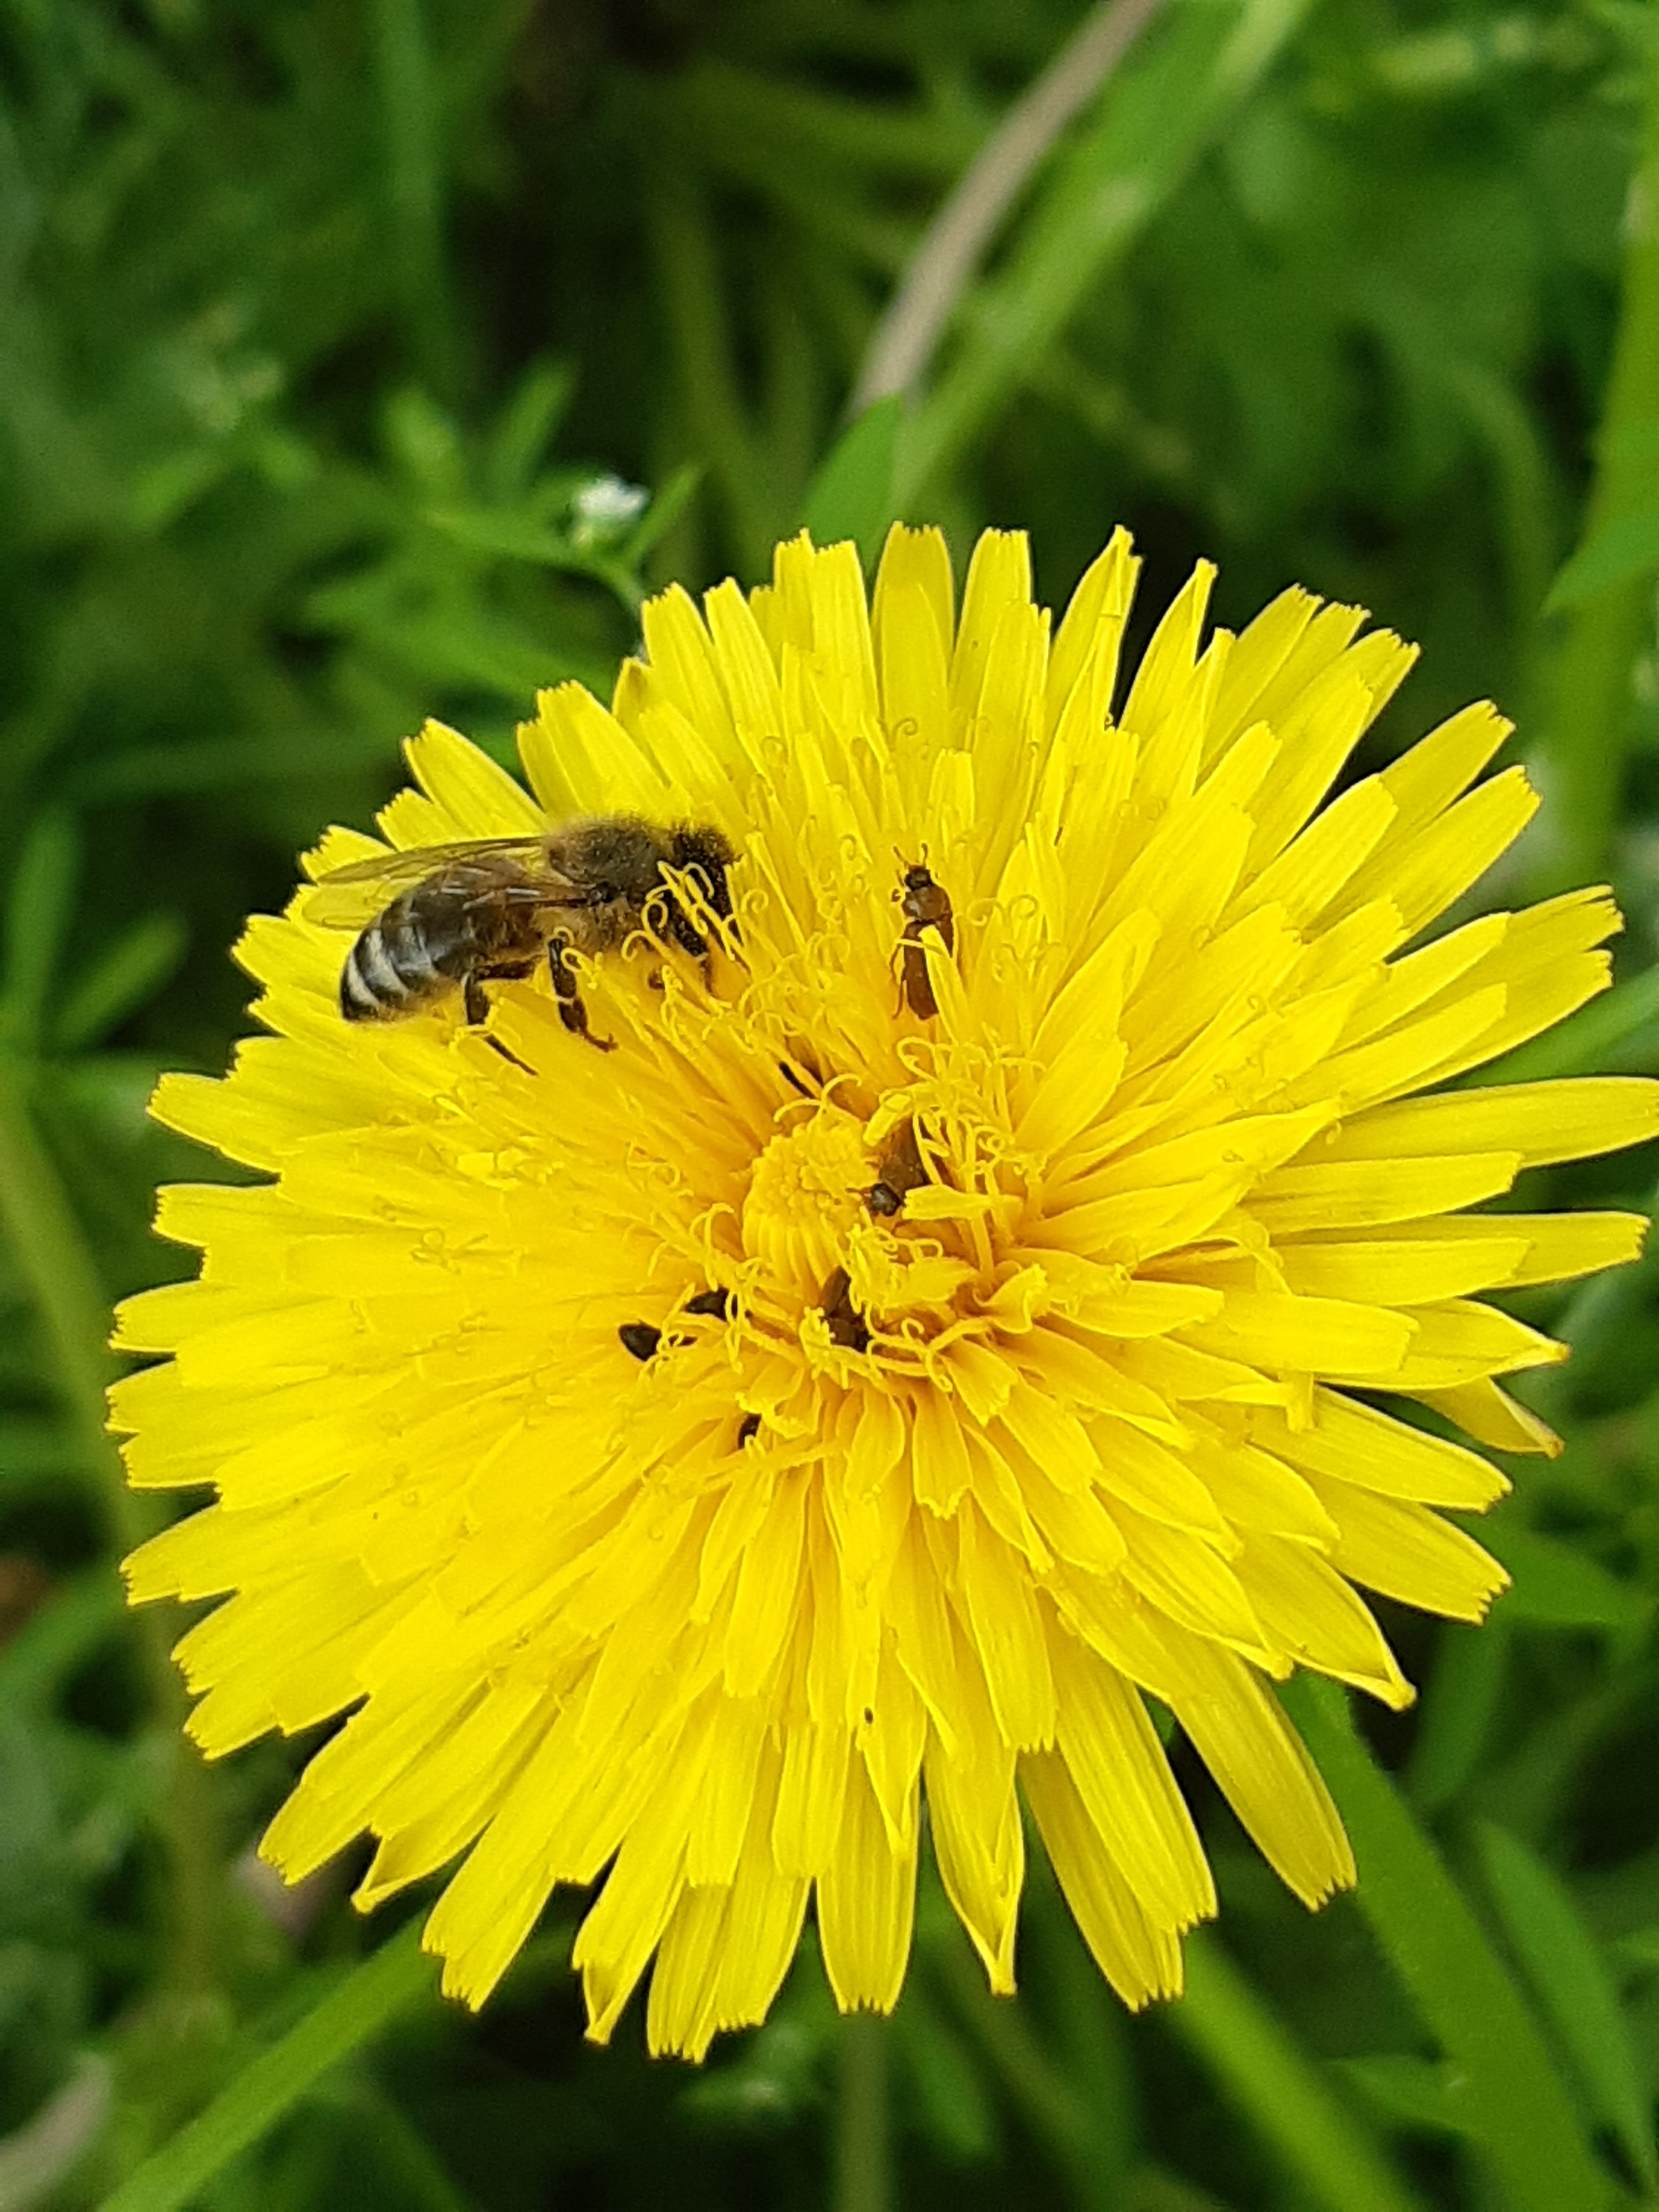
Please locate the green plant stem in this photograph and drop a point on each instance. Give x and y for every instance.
(863, 2152)
(273, 2083)
(1517, 2104)
(1050, 2098)
(944, 264)
(1588, 727)
(51, 1255)
(1327, 2146)
(1159, 113)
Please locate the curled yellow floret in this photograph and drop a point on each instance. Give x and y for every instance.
(996, 1286)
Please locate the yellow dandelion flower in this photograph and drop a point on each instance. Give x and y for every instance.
(932, 1330)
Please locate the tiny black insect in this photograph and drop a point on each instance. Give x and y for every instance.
(898, 1172)
(847, 1324)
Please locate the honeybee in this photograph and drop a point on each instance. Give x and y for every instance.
(926, 905)
(491, 908)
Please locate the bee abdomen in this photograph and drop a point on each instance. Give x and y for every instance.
(387, 972)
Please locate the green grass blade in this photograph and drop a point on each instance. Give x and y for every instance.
(38, 911)
(1516, 2101)
(1424, 2094)
(851, 495)
(1626, 547)
(1077, 2112)
(695, 305)
(1161, 110)
(1261, 2068)
(1556, 1586)
(1570, 1978)
(414, 184)
(275, 2081)
(1587, 733)
(124, 975)
(1462, 1700)
(1616, 1032)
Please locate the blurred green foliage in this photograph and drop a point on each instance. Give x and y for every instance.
(364, 359)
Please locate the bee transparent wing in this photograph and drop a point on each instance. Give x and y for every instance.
(350, 897)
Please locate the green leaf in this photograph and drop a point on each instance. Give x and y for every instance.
(664, 510)
(1639, 1948)
(37, 915)
(1566, 1969)
(525, 429)
(124, 975)
(1263, 2070)
(160, 494)
(1417, 2094)
(1626, 547)
(1518, 2105)
(1462, 1700)
(516, 536)
(1554, 1585)
(386, 1984)
(1619, 1031)
(851, 495)
(424, 442)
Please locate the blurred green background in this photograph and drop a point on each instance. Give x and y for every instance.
(360, 359)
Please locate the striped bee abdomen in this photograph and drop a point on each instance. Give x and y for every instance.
(426, 940)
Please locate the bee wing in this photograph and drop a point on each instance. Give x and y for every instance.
(350, 897)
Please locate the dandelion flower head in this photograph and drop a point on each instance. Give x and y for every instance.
(929, 1334)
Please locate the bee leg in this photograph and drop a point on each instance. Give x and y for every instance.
(571, 1012)
(473, 995)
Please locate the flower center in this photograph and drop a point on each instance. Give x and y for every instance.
(883, 1238)
(805, 1196)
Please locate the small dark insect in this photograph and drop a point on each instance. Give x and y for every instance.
(485, 911)
(715, 1305)
(847, 1323)
(899, 1172)
(926, 905)
(748, 1427)
(641, 1339)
